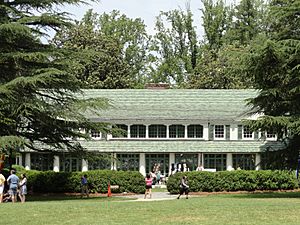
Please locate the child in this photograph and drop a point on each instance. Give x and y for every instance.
(84, 186)
(184, 188)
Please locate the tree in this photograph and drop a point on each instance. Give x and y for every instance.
(275, 62)
(38, 98)
(111, 50)
(246, 21)
(215, 18)
(175, 48)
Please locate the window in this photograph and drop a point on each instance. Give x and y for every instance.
(138, 131)
(95, 134)
(243, 161)
(215, 161)
(127, 162)
(176, 131)
(120, 131)
(191, 160)
(69, 164)
(41, 162)
(270, 135)
(195, 131)
(100, 162)
(160, 161)
(247, 133)
(157, 131)
(219, 131)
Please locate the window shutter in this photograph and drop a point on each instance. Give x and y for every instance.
(211, 132)
(255, 135)
(240, 132)
(227, 132)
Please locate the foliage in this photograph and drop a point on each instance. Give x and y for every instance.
(234, 181)
(38, 96)
(110, 50)
(63, 182)
(176, 48)
(275, 64)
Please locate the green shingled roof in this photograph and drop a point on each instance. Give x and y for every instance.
(173, 104)
(180, 146)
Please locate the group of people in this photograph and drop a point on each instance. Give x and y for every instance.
(184, 187)
(16, 187)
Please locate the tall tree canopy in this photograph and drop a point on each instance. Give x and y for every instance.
(37, 95)
(175, 46)
(111, 50)
(275, 62)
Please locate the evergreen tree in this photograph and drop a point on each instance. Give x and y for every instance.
(275, 62)
(38, 98)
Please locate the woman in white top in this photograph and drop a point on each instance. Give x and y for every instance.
(23, 187)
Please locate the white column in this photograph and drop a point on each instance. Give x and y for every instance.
(143, 164)
(20, 160)
(85, 165)
(56, 163)
(128, 131)
(168, 133)
(147, 131)
(27, 161)
(186, 131)
(114, 161)
(205, 131)
(257, 161)
(233, 132)
(171, 160)
(229, 162)
(200, 162)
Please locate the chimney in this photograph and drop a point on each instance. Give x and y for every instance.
(157, 86)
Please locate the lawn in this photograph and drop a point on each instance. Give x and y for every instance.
(273, 209)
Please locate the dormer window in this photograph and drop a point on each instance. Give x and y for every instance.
(176, 131)
(95, 134)
(195, 131)
(247, 133)
(219, 132)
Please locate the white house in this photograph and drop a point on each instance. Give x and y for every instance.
(168, 127)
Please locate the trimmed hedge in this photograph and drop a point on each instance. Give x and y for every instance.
(239, 180)
(63, 182)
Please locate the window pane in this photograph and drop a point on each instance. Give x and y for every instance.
(243, 161)
(157, 131)
(127, 162)
(176, 131)
(219, 131)
(121, 131)
(195, 131)
(215, 161)
(247, 132)
(138, 131)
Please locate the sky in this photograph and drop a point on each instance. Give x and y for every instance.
(147, 10)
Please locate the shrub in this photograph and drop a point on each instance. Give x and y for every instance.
(240, 180)
(59, 182)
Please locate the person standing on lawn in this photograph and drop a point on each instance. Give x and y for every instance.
(148, 181)
(84, 186)
(13, 181)
(23, 188)
(2, 182)
(184, 187)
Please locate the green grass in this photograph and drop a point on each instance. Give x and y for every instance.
(242, 209)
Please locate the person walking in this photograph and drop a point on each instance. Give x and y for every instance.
(13, 181)
(2, 182)
(84, 186)
(184, 187)
(23, 188)
(148, 181)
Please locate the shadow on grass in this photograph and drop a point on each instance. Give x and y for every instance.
(267, 195)
(67, 197)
